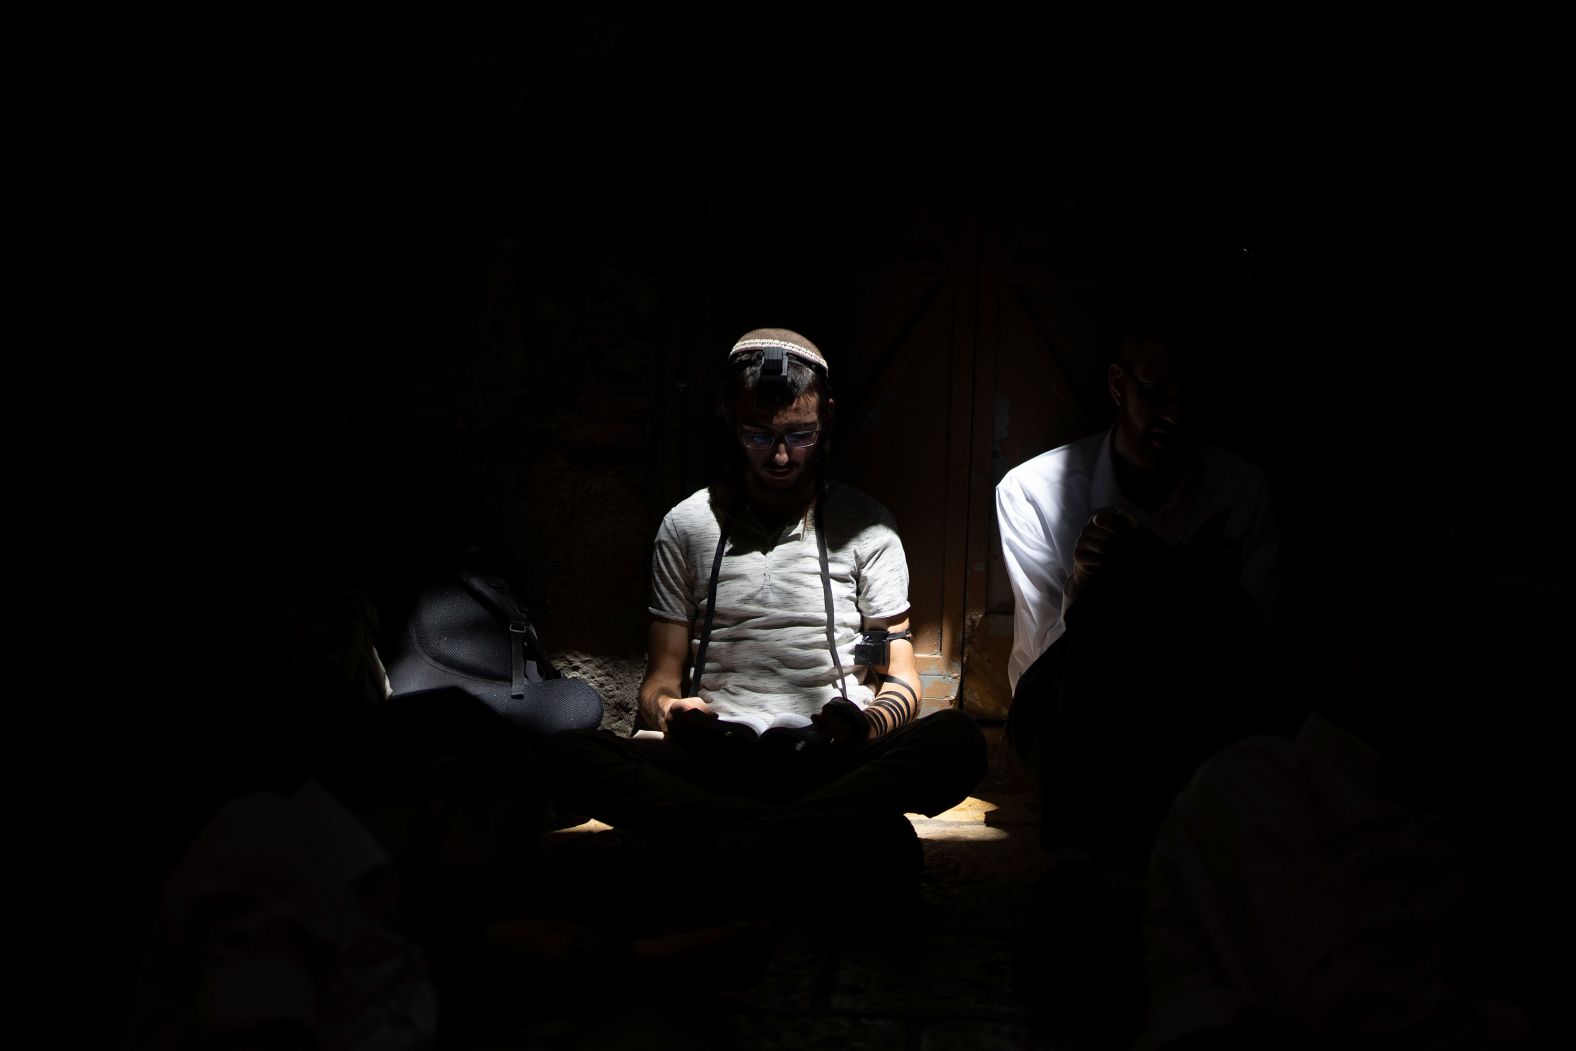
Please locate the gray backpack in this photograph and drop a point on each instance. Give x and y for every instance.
(467, 628)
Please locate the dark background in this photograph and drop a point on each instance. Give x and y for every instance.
(311, 272)
(303, 291)
(320, 263)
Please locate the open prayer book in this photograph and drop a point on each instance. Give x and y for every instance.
(746, 725)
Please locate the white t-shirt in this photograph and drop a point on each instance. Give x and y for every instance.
(768, 656)
(1043, 504)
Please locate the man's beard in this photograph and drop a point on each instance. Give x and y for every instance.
(789, 498)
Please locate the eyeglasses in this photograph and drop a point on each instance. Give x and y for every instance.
(1157, 392)
(754, 439)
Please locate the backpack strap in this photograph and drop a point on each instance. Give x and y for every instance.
(524, 646)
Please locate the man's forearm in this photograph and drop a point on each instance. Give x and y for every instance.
(667, 650)
(895, 704)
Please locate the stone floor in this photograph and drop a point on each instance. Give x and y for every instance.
(940, 979)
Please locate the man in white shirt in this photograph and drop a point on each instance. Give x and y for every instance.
(1143, 569)
(1055, 511)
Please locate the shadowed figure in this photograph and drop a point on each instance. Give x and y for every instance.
(1144, 567)
(1348, 887)
(310, 917)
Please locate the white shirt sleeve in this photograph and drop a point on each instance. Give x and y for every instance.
(672, 577)
(883, 573)
(1038, 571)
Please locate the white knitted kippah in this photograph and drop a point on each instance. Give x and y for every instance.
(791, 343)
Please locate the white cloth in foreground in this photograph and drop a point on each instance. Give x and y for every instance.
(1299, 878)
(279, 913)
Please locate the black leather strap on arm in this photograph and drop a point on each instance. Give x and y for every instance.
(903, 683)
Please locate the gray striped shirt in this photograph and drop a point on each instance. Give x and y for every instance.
(768, 656)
